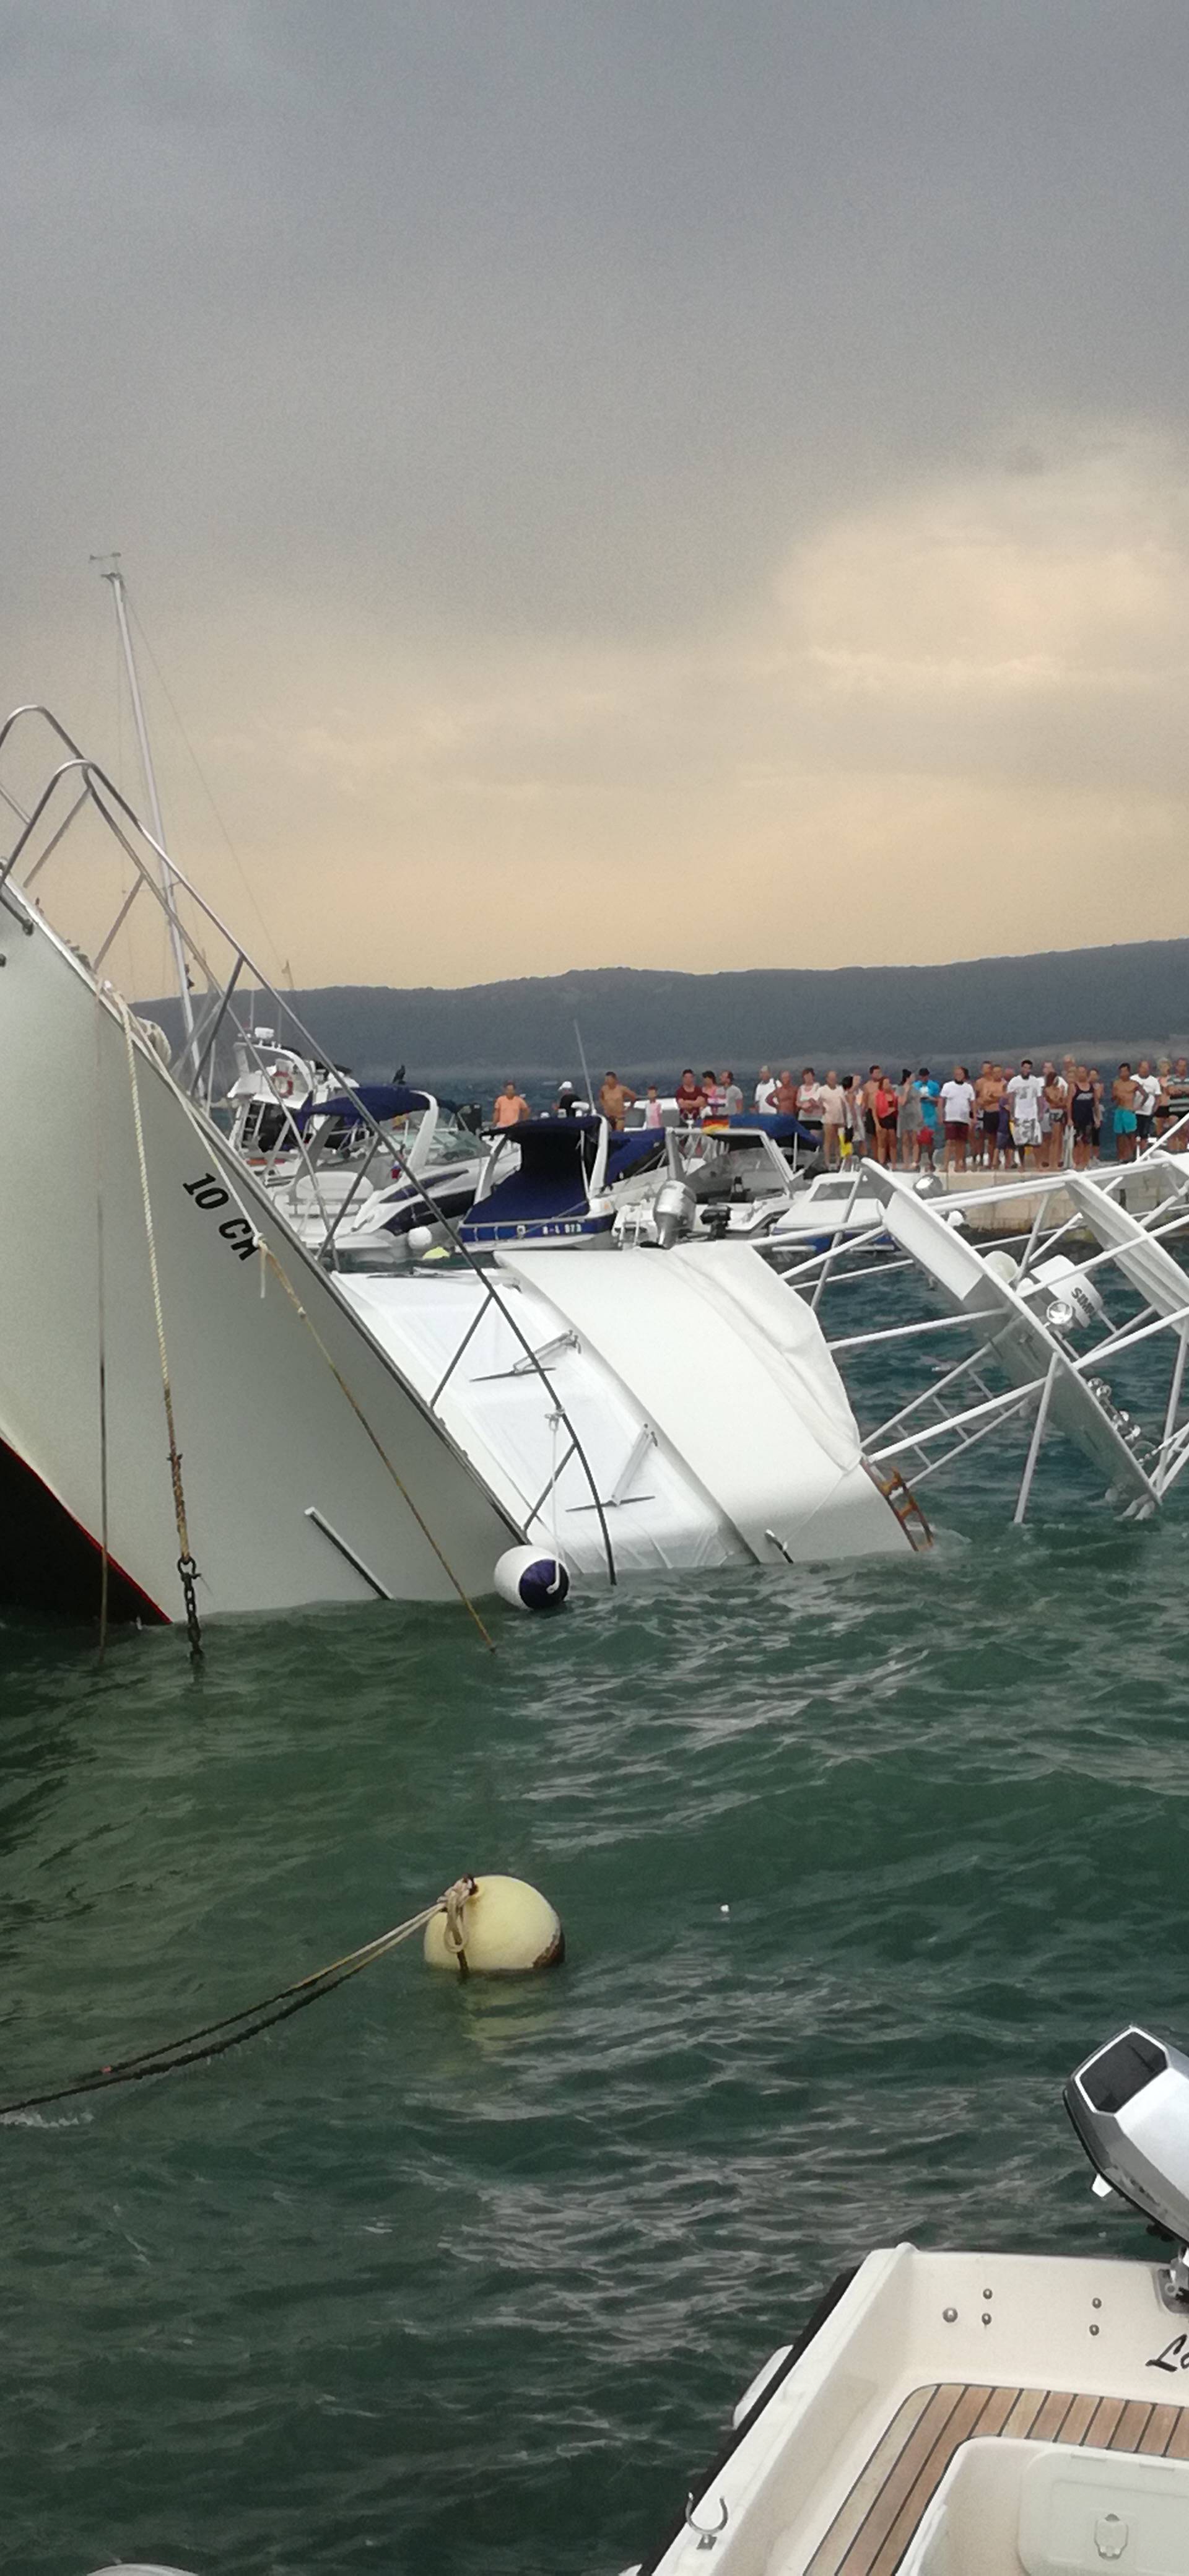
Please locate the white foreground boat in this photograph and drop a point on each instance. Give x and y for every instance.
(981, 2414)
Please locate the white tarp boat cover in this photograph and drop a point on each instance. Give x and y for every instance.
(733, 1371)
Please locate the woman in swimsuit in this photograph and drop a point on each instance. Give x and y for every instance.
(1081, 1113)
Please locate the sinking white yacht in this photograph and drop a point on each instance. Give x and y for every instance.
(189, 1389)
(140, 1256)
(981, 2414)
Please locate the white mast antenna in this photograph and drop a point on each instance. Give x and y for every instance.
(164, 865)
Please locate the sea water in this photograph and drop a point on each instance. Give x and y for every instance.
(855, 1863)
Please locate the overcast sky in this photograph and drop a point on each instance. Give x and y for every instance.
(616, 481)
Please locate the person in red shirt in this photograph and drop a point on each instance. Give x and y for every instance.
(690, 1098)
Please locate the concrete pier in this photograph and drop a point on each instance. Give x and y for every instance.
(1141, 1192)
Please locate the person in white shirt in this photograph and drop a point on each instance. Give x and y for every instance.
(1024, 1109)
(765, 1092)
(1148, 1091)
(833, 1117)
(810, 1113)
(653, 1113)
(957, 1109)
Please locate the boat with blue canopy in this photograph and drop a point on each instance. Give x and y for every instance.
(553, 1180)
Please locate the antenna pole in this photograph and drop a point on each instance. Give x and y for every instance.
(590, 1098)
(165, 870)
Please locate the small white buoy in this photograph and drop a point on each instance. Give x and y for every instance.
(531, 1578)
(494, 1927)
(724, 1909)
(420, 1241)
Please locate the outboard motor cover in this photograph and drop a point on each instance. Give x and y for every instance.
(1129, 2103)
(673, 1211)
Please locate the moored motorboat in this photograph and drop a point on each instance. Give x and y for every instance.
(556, 1180)
(958, 2414)
(387, 1170)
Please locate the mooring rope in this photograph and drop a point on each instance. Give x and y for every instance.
(215, 2038)
(187, 1568)
(101, 1312)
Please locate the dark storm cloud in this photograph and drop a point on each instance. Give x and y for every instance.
(534, 316)
(623, 445)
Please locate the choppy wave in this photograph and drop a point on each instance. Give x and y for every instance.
(435, 2271)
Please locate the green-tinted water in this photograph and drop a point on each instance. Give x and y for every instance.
(437, 2274)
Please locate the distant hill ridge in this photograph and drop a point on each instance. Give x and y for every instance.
(646, 1019)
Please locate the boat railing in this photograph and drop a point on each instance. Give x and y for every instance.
(192, 1066)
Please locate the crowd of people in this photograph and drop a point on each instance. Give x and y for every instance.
(1000, 1118)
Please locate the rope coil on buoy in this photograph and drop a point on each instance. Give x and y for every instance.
(455, 1902)
(514, 1930)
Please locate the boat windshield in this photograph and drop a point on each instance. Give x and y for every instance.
(451, 1142)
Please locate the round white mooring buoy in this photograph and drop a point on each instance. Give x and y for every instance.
(495, 1927)
(531, 1578)
(420, 1240)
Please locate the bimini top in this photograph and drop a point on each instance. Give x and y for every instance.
(379, 1100)
(556, 1158)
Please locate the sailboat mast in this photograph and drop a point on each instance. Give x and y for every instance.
(177, 944)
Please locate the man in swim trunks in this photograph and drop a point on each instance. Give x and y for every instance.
(615, 1100)
(988, 1091)
(1123, 1090)
(1177, 1089)
(1023, 1100)
(957, 1110)
(929, 1093)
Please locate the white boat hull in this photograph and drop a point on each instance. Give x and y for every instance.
(274, 1454)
